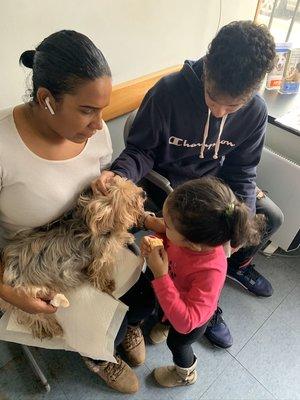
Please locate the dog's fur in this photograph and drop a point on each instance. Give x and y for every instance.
(80, 245)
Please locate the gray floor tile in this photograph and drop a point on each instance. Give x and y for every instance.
(18, 382)
(243, 312)
(273, 354)
(8, 351)
(78, 383)
(235, 383)
(211, 362)
(292, 261)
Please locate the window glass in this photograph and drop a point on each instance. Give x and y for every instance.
(279, 23)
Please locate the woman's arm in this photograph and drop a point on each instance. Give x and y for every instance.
(20, 300)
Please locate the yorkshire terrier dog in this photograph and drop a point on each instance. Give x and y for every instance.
(79, 246)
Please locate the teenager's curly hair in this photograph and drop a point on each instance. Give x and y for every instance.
(239, 57)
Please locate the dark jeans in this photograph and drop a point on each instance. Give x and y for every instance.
(243, 257)
(181, 344)
(141, 302)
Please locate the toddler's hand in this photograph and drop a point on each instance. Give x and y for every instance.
(157, 261)
(145, 246)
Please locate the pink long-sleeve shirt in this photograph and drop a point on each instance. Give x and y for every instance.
(189, 293)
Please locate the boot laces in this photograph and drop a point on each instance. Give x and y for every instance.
(114, 370)
(250, 273)
(133, 337)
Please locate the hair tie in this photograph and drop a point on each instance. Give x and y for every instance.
(229, 210)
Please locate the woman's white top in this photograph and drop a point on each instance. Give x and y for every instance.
(35, 191)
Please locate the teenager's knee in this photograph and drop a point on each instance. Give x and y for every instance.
(274, 215)
(275, 219)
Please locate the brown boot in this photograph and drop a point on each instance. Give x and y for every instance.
(119, 376)
(173, 375)
(134, 346)
(159, 333)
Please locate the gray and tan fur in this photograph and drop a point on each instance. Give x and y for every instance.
(81, 246)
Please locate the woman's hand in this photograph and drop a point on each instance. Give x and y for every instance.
(155, 224)
(26, 303)
(100, 184)
(157, 261)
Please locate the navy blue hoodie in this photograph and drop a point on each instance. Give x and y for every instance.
(168, 135)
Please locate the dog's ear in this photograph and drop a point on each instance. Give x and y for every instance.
(100, 215)
(127, 203)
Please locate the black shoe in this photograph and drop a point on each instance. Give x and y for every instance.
(217, 331)
(251, 280)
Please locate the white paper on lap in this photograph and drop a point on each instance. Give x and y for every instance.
(127, 271)
(92, 320)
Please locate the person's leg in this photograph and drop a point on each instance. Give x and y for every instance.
(119, 376)
(140, 299)
(240, 266)
(181, 345)
(183, 372)
(141, 302)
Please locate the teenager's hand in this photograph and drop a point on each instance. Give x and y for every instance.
(157, 261)
(26, 303)
(155, 224)
(100, 184)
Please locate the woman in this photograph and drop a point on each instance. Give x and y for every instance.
(51, 148)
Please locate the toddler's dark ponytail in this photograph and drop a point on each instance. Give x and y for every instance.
(205, 211)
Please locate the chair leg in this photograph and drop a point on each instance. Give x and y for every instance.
(36, 367)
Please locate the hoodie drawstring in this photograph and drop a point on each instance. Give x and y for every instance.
(217, 146)
(205, 135)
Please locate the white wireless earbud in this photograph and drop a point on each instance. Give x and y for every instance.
(47, 101)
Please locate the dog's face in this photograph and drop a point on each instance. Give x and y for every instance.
(119, 210)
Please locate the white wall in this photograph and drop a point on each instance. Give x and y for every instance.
(136, 36)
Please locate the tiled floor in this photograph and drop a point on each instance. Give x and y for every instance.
(263, 363)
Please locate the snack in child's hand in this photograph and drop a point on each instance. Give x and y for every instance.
(155, 242)
(59, 300)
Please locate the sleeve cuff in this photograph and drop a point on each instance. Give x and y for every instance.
(161, 282)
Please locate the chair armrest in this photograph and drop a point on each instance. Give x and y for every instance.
(160, 181)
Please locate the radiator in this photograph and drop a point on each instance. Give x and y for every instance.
(280, 177)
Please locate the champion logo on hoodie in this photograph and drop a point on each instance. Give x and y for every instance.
(176, 141)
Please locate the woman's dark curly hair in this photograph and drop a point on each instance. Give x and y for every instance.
(239, 57)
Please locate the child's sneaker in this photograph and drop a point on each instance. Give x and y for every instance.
(119, 376)
(134, 346)
(173, 375)
(159, 333)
